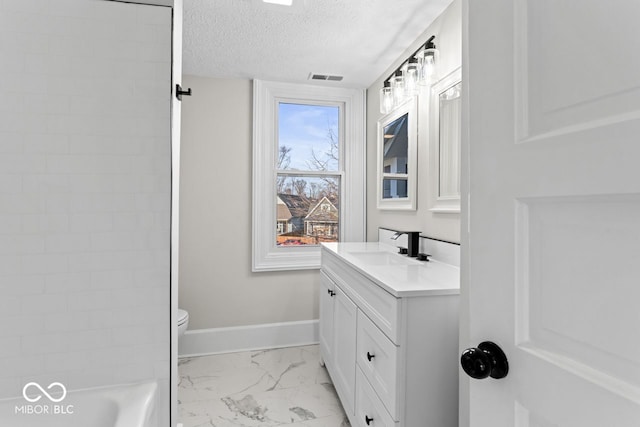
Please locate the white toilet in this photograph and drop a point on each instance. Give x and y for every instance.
(183, 321)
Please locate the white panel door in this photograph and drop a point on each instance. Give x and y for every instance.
(553, 92)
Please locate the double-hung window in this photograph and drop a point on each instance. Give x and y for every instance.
(308, 172)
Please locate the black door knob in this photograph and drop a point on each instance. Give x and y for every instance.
(370, 356)
(487, 360)
(367, 420)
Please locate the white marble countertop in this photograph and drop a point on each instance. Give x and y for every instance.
(399, 275)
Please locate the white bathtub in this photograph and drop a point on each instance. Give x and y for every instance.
(131, 405)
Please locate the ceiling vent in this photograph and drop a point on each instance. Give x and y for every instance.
(326, 77)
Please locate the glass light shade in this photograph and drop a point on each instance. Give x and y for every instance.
(428, 66)
(386, 99)
(410, 74)
(399, 89)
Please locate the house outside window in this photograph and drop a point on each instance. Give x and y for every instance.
(309, 154)
(322, 221)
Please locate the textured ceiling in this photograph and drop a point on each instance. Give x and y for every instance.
(357, 39)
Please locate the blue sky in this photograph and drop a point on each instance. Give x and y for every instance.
(304, 127)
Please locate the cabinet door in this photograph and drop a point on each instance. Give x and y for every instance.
(327, 296)
(344, 348)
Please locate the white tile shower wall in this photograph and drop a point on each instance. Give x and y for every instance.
(84, 193)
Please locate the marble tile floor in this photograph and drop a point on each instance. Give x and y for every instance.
(285, 386)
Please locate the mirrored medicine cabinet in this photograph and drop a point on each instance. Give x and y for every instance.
(397, 158)
(445, 124)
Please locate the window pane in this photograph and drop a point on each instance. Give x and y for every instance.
(307, 210)
(308, 137)
(396, 145)
(394, 188)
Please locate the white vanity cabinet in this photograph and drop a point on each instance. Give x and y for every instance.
(389, 336)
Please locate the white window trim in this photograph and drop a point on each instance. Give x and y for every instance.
(266, 256)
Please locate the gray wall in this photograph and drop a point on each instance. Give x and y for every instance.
(448, 31)
(216, 284)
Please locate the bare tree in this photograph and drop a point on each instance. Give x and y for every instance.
(322, 161)
(300, 186)
(280, 184)
(325, 161)
(284, 160)
(314, 190)
(284, 157)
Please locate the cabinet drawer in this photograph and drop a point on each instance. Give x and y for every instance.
(377, 356)
(369, 405)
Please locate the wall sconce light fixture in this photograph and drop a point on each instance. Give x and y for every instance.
(411, 72)
(386, 97)
(428, 60)
(419, 69)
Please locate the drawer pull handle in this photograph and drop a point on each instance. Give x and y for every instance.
(370, 356)
(367, 420)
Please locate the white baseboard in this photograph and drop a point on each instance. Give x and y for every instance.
(200, 342)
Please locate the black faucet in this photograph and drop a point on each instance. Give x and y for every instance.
(413, 241)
